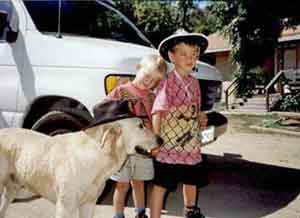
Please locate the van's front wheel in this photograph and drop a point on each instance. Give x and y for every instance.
(57, 122)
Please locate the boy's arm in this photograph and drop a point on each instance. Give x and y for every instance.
(156, 122)
(202, 120)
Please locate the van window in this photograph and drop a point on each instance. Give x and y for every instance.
(85, 18)
(5, 5)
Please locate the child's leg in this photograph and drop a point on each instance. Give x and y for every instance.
(143, 171)
(122, 179)
(189, 195)
(191, 177)
(138, 191)
(119, 198)
(156, 201)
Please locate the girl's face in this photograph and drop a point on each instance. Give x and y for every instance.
(184, 57)
(151, 79)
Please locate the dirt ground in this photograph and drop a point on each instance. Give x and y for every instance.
(254, 175)
(242, 142)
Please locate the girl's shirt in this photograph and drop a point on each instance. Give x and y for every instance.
(178, 99)
(141, 100)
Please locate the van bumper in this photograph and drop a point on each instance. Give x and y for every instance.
(219, 123)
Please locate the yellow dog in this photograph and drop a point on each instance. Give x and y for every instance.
(71, 169)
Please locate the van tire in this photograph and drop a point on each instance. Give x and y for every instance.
(81, 115)
(57, 122)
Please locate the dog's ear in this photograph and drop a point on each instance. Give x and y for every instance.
(111, 139)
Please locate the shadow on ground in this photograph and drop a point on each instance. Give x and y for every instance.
(237, 188)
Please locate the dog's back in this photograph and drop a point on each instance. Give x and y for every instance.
(11, 139)
(21, 146)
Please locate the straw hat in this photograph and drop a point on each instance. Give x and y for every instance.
(178, 36)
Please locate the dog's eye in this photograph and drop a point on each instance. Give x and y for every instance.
(141, 126)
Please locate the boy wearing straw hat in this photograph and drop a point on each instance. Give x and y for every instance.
(177, 118)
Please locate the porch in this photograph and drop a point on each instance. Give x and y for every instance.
(264, 98)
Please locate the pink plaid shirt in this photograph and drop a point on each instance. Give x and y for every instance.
(178, 98)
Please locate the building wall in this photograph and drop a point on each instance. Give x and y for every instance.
(287, 56)
(298, 55)
(290, 61)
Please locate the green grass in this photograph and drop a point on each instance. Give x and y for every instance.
(243, 122)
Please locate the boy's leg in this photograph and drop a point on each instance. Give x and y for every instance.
(165, 178)
(119, 198)
(191, 178)
(156, 201)
(191, 210)
(189, 195)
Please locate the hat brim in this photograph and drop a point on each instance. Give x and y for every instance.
(100, 121)
(168, 43)
(111, 110)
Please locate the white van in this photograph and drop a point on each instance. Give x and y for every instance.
(59, 58)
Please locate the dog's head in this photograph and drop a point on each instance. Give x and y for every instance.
(129, 135)
(137, 138)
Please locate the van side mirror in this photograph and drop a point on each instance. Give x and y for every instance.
(3, 22)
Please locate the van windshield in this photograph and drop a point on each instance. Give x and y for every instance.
(92, 18)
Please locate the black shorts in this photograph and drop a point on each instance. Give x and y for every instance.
(169, 175)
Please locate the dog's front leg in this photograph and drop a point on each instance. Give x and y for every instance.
(9, 192)
(87, 210)
(66, 209)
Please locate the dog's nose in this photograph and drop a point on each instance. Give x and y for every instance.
(159, 140)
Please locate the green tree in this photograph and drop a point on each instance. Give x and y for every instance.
(160, 18)
(184, 11)
(253, 28)
(156, 19)
(203, 21)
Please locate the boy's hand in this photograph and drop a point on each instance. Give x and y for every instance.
(154, 152)
(202, 120)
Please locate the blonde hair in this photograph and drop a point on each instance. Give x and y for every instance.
(152, 64)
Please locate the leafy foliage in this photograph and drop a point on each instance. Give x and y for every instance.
(248, 82)
(159, 19)
(156, 19)
(245, 83)
(288, 103)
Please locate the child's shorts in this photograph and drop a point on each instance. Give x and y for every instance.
(169, 175)
(135, 168)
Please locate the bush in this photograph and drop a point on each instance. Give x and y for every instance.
(249, 80)
(288, 103)
(245, 83)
